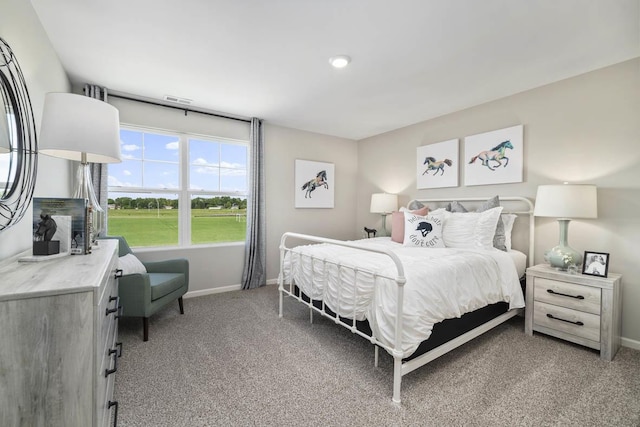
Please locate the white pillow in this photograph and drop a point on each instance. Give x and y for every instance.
(129, 264)
(470, 230)
(423, 231)
(508, 220)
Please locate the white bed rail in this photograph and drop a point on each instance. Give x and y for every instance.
(400, 280)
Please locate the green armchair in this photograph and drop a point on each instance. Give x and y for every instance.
(143, 294)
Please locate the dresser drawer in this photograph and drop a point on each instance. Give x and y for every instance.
(564, 294)
(574, 322)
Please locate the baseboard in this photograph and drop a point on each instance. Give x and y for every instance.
(211, 291)
(626, 342)
(194, 294)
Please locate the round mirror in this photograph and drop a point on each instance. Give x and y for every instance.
(8, 139)
(18, 144)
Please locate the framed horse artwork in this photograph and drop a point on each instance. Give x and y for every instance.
(437, 165)
(494, 157)
(314, 184)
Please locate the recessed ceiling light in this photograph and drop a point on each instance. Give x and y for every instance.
(339, 61)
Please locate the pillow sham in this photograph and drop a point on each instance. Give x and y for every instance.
(507, 221)
(423, 231)
(397, 222)
(471, 230)
(130, 264)
(499, 236)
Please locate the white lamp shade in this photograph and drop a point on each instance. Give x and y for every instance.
(567, 201)
(383, 203)
(76, 124)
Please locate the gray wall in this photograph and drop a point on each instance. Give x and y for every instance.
(582, 130)
(21, 29)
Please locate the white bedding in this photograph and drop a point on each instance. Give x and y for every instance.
(441, 283)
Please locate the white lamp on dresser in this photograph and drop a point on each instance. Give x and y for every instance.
(84, 129)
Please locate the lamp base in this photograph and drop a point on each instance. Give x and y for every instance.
(563, 257)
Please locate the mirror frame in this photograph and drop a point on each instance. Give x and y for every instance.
(16, 200)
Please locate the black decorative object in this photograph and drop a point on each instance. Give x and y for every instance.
(17, 180)
(42, 244)
(370, 231)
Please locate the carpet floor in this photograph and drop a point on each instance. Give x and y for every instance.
(230, 361)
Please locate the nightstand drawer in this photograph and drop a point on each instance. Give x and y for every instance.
(564, 294)
(566, 320)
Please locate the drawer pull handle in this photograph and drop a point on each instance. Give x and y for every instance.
(108, 372)
(119, 346)
(551, 291)
(118, 273)
(115, 413)
(551, 316)
(114, 309)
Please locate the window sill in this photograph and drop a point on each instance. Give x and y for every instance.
(150, 249)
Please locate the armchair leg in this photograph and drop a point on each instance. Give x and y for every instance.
(145, 328)
(181, 305)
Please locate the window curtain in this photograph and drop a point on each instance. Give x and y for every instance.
(99, 171)
(254, 270)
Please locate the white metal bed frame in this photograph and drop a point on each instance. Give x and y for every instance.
(399, 368)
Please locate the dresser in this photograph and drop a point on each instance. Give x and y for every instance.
(583, 309)
(58, 331)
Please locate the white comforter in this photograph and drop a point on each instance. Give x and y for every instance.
(441, 284)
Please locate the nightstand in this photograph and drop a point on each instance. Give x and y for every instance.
(583, 309)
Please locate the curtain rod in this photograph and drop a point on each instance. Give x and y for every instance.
(175, 107)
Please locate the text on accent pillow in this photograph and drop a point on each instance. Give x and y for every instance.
(397, 222)
(423, 231)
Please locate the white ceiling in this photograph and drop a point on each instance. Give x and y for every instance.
(412, 59)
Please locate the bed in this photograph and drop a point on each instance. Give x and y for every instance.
(417, 298)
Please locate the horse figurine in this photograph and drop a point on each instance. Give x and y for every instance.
(319, 181)
(496, 154)
(432, 164)
(46, 228)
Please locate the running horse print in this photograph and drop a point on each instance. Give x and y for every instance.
(319, 181)
(496, 154)
(436, 165)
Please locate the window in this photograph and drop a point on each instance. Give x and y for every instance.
(178, 189)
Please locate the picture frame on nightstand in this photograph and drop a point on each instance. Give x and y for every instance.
(595, 264)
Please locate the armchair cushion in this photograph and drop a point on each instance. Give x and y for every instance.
(164, 283)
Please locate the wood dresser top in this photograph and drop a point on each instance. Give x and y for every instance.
(73, 273)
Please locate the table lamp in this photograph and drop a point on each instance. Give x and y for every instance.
(384, 204)
(565, 202)
(84, 129)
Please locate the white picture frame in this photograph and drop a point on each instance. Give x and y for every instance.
(437, 165)
(494, 157)
(314, 184)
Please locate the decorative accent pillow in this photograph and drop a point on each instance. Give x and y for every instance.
(499, 236)
(507, 221)
(471, 230)
(415, 205)
(423, 231)
(129, 264)
(397, 222)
